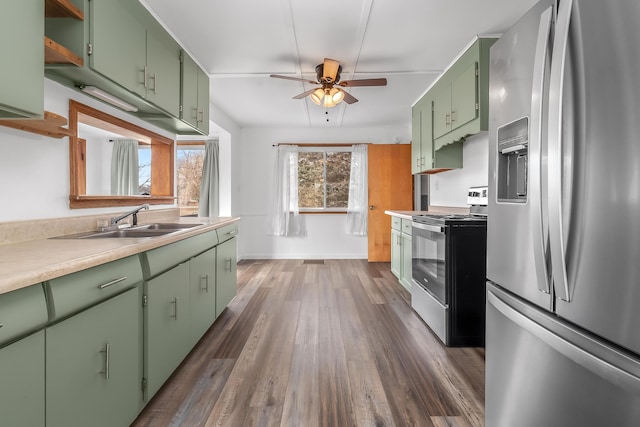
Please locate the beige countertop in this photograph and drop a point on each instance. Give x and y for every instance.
(432, 209)
(405, 214)
(29, 262)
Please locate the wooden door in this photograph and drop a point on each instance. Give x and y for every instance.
(390, 188)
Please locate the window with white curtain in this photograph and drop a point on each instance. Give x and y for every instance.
(319, 179)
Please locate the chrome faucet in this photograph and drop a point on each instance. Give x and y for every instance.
(133, 212)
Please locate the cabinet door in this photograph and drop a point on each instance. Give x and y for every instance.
(416, 138)
(118, 37)
(163, 70)
(426, 129)
(22, 50)
(92, 364)
(396, 253)
(202, 274)
(226, 274)
(22, 382)
(405, 277)
(203, 101)
(441, 109)
(166, 325)
(189, 90)
(464, 97)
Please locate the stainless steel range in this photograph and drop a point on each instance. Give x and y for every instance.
(449, 271)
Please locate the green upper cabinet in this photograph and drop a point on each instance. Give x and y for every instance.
(22, 50)
(458, 104)
(422, 136)
(194, 94)
(133, 50)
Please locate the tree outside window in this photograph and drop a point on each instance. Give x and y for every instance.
(323, 179)
(189, 160)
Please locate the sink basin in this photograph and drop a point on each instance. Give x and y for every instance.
(144, 230)
(136, 233)
(166, 226)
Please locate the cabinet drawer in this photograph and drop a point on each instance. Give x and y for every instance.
(77, 291)
(22, 311)
(406, 226)
(227, 232)
(396, 223)
(161, 259)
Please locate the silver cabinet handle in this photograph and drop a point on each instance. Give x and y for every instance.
(175, 308)
(206, 283)
(453, 116)
(434, 228)
(144, 76)
(231, 233)
(225, 263)
(107, 354)
(201, 116)
(447, 122)
(111, 283)
(155, 82)
(194, 113)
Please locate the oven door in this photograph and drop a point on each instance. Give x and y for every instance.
(428, 259)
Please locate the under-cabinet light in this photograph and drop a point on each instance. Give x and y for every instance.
(107, 97)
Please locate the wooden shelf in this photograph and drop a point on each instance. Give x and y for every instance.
(62, 9)
(51, 125)
(55, 53)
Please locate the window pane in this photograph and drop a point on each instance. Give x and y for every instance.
(189, 174)
(338, 171)
(310, 180)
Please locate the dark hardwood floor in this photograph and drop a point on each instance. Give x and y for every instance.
(333, 344)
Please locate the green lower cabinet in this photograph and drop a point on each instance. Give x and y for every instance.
(166, 325)
(396, 253)
(22, 382)
(92, 365)
(226, 274)
(202, 274)
(405, 271)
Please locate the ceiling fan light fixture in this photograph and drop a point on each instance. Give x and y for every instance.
(336, 95)
(317, 96)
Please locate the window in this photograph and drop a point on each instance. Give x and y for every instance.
(189, 160)
(144, 169)
(323, 178)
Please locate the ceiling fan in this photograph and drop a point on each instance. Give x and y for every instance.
(328, 76)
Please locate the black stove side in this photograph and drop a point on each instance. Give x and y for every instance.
(466, 282)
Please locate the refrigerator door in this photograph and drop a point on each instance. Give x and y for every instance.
(542, 372)
(594, 168)
(516, 237)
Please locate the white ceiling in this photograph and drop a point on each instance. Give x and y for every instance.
(240, 42)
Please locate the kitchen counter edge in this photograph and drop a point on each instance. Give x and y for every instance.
(28, 263)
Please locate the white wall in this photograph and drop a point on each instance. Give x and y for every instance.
(450, 188)
(326, 237)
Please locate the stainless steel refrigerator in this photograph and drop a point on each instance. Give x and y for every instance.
(563, 236)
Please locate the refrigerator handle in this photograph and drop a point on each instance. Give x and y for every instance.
(591, 360)
(556, 87)
(535, 150)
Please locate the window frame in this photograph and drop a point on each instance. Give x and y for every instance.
(323, 148)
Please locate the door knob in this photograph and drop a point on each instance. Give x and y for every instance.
(371, 207)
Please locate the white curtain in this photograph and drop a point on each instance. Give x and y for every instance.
(358, 197)
(124, 167)
(284, 215)
(209, 187)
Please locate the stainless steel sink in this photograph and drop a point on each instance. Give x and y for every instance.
(166, 226)
(138, 231)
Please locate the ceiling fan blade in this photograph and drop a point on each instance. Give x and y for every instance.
(303, 94)
(297, 79)
(348, 98)
(330, 69)
(364, 82)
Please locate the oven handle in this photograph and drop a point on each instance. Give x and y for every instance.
(434, 228)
